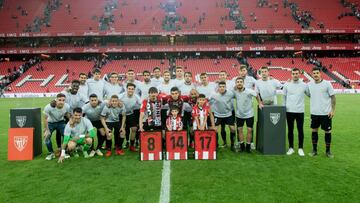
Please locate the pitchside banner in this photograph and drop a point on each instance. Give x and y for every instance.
(150, 146)
(205, 145)
(20, 144)
(176, 145)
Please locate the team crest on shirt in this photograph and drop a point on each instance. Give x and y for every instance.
(274, 118)
(21, 121)
(20, 142)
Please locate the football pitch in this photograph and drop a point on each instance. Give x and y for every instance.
(234, 177)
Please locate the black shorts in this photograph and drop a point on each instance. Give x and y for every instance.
(97, 124)
(187, 119)
(227, 120)
(152, 128)
(137, 114)
(131, 121)
(249, 122)
(323, 121)
(163, 118)
(114, 125)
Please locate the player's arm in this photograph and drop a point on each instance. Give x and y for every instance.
(333, 104)
(64, 144)
(142, 114)
(46, 126)
(212, 119)
(103, 122)
(168, 124)
(141, 124)
(123, 121)
(284, 94)
(181, 126)
(197, 121)
(258, 99)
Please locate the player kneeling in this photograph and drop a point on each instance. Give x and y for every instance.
(78, 132)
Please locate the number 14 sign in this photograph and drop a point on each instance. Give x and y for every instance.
(176, 145)
(205, 145)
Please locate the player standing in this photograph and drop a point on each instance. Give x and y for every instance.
(96, 84)
(157, 79)
(244, 112)
(113, 87)
(322, 109)
(174, 121)
(221, 103)
(294, 99)
(266, 87)
(150, 112)
(131, 102)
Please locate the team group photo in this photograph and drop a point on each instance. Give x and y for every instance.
(179, 101)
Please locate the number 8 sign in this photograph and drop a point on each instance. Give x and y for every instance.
(151, 146)
(205, 145)
(176, 145)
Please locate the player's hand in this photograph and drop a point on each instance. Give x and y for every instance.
(61, 159)
(213, 128)
(201, 128)
(261, 105)
(141, 129)
(107, 131)
(46, 133)
(71, 122)
(331, 114)
(122, 130)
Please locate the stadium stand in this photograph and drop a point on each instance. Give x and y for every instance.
(280, 69)
(129, 17)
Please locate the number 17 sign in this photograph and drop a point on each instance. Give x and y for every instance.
(205, 145)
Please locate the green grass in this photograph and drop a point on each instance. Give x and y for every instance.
(231, 178)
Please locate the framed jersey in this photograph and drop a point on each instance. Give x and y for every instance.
(205, 145)
(176, 145)
(151, 146)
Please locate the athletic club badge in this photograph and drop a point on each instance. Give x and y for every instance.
(274, 117)
(21, 121)
(20, 142)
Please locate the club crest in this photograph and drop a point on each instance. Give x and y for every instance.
(20, 142)
(21, 121)
(274, 118)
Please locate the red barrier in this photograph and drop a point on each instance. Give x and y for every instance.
(176, 145)
(205, 145)
(151, 146)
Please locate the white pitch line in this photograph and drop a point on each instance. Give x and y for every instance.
(165, 183)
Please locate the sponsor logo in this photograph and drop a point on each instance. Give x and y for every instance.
(20, 142)
(21, 121)
(274, 118)
(234, 48)
(233, 32)
(258, 31)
